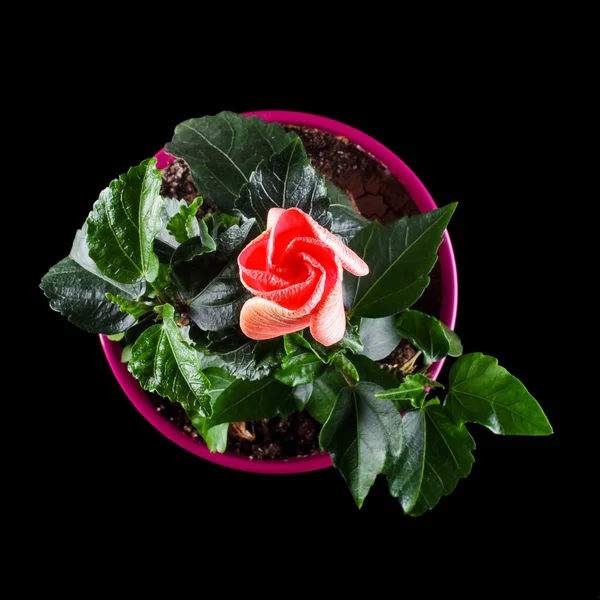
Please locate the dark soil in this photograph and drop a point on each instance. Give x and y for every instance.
(379, 196)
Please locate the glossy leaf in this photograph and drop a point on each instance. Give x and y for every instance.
(435, 455)
(425, 333)
(456, 348)
(162, 362)
(77, 289)
(352, 340)
(379, 337)
(369, 370)
(133, 307)
(343, 364)
(411, 393)
(360, 434)
(324, 394)
(223, 150)
(482, 392)
(183, 225)
(400, 257)
(126, 218)
(252, 400)
(300, 368)
(302, 394)
(286, 180)
(219, 379)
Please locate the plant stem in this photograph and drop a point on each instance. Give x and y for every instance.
(351, 383)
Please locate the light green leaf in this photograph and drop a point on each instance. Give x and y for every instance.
(222, 151)
(482, 392)
(379, 337)
(342, 363)
(410, 394)
(400, 257)
(135, 308)
(183, 225)
(162, 362)
(300, 368)
(126, 218)
(360, 434)
(77, 289)
(286, 180)
(435, 455)
(456, 348)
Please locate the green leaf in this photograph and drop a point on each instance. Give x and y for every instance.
(371, 371)
(269, 353)
(215, 437)
(183, 225)
(434, 456)
(425, 333)
(286, 180)
(300, 368)
(346, 220)
(77, 289)
(324, 393)
(342, 363)
(379, 337)
(251, 401)
(294, 343)
(211, 284)
(162, 362)
(400, 257)
(302, 394)
(351, 340)
(410, 394)
(217, 223)
(219, 379)
(482, 392)
(222, 151)
(226, 340)
(456, 348)
(237, 360)
(135, 308)
(360, 434)
(126, 218)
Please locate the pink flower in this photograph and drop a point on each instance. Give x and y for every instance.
(294, 269)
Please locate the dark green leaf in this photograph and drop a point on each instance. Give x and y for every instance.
(482, 392)
(251, 401)
(294, 343)
(268, 353)
(286, 180)
(325, 391)
(239, 361)
(226, 340)
(217, 223)
(301, 368)
(400, 257)
(371, 371)
(343, 364)
(126, 218)
(456, 348)
(183, 225)
(360, 434)
(379, 337)
(211, 283)
(133, 307)
(162, 362)
(77, 289)
(302, 394)
(435, 455)
(411, 394)
(222, 151)
(425, 333)
(351, 340)
(346, 220)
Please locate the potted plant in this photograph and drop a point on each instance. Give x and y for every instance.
(269, 295)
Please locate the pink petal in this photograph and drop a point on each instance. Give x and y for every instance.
(262, 319)
(328, 320)
(273, 216)
(292, 221)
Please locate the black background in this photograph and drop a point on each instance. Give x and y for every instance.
(107, 474)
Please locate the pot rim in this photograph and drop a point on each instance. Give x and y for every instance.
(449, 302)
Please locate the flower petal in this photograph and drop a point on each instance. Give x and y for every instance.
(328, 321)
(262, 319)
(273, 216)
(292, 221)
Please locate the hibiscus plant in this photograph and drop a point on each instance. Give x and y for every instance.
(283, 298)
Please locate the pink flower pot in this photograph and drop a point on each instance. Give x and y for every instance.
(449, 302)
